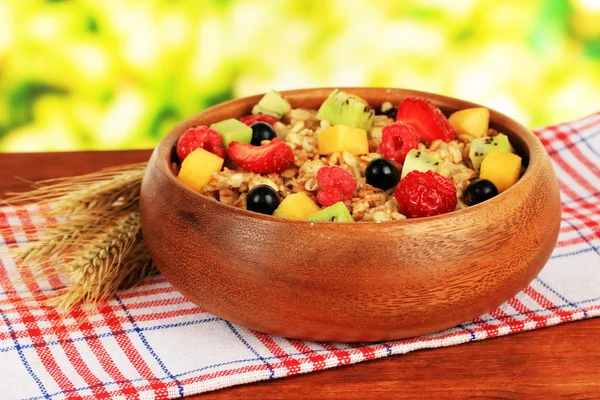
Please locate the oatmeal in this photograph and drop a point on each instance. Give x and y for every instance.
(345, 162)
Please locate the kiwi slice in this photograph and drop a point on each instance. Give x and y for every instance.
(272, 104)
(335, 213)
(480, 148)
(341, 108)
(416, 160)
(232, 130)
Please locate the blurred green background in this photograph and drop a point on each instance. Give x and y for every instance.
(116, 74)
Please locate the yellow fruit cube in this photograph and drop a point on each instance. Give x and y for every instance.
(501, 168)
(473, 122)
(198, 167)
(296, 206)
(343, 138)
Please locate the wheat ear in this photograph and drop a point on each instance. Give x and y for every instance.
(117, 257)
(92, 238)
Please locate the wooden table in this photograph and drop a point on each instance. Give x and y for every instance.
(557, 362)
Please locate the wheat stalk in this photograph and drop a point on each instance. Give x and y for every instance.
(97, 269)
(93, 238)
(96, 192)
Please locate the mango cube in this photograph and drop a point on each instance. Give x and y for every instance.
(198, 167)
(296, 206)
(472, 122)
(343, 138)
(501, 168)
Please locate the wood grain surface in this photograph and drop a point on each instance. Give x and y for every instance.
(561, 362)
(360, 282)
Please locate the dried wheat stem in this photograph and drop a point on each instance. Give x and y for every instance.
(97, 270)
(121, 192)
(87, 192)
(92, 239)
(81, 211)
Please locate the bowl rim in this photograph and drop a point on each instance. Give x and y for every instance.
(532, 144)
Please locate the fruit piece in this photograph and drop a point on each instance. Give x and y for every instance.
(341, 108)
(343, 138)
(424, 194)
(427, 119)
(335, 213)
(501, 168)
(473, 122)
(416, 160)
(270, 158)
(199, 137)
(272, 104)
(479, 190)
(261, 131)
(232, 130)
(296, 206)
(262, 199)
(251, 119)
(382, 174)
(397, 140)
(357, 97)
(198, 167)
(336, 184)
(480, 148)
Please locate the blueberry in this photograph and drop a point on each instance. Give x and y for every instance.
(391, 113)
(382, 174)
(262, 199)
(479, 190)
(262, 131)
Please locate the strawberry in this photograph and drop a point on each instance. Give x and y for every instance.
(270, 158)
(427, 119)
(252, 119)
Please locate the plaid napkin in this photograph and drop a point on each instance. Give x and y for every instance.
(150, 342)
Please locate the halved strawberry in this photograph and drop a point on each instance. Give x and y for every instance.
(427, 119)
(270, 158)
(252, 119)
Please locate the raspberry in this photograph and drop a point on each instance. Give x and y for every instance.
(424, 194)
(252, 119)
(397, 140)
(200, 137)
(336, 185)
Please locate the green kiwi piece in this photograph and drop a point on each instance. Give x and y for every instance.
(340, 108)
(416, 160)
(335, 213)
(272, 104)
(232, 130)
(480, 148)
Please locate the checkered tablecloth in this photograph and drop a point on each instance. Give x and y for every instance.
(150, 342)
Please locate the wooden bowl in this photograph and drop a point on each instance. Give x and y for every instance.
(350, 282)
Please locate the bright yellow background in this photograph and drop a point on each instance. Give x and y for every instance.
(107, 74)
